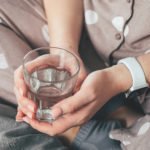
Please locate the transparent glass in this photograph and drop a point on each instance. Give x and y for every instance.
(50, 74)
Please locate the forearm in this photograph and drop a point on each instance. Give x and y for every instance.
(65, 22)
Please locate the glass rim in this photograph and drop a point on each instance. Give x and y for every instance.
(44, 81)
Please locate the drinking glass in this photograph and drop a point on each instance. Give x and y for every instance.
(50, 74)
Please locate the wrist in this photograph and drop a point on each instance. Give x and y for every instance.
(73, 48)
(121, 78)
(70, 46)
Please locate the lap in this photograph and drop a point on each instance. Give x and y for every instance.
(23, 32)
(16, 136)
(94, 135)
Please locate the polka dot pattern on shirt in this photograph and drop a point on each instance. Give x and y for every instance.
(3, 62)
(118, 23)
(91, 17)
(145, 127)
(45, 33)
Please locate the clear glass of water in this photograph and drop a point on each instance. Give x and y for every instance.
(50, 74)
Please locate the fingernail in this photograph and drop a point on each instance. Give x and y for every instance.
(19, 120)
(26, 119)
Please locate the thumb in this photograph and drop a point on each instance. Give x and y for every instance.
(78, 84)
(82, 75)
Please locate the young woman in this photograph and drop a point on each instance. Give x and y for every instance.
(116, 33)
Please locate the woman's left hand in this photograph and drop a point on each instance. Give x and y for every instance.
(76, 110)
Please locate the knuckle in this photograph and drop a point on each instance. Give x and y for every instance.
(70, 108)
(24, 110)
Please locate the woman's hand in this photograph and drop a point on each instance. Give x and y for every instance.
(26, 106)
(95, 91)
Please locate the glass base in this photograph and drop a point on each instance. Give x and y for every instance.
(44, 115)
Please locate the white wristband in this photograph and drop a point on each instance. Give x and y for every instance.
(137, 73)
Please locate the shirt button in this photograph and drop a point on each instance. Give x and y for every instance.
(118, 36)
(128, 1)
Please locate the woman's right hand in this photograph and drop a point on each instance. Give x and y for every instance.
(26, 106)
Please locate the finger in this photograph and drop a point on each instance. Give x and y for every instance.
(27, 104)
(25, 107)
(76, 118)
(53, 128)
(28, 113)
(63, 123)
(19, 116)
(83, 114)
(43, 127)
(19, 81)
(71, 104)
(23, 102)
(68, 121)
(41, 62)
